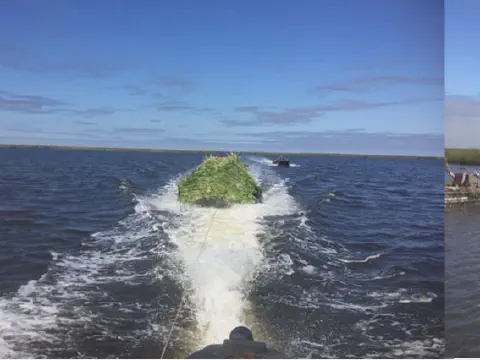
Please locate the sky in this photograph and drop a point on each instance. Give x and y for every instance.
(346, 76)
(462, 74)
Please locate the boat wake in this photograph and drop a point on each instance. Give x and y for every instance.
(125, 284)
(267, 161)
(270, 266)
(219, 252)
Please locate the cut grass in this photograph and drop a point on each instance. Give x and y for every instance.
(219, 181)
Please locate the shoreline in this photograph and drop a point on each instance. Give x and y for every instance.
(92, 148)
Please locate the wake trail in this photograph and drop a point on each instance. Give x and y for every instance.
(227, 242)
(92, 291)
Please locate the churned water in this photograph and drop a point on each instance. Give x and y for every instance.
(344, 257)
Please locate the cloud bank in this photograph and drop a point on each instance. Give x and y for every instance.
(462, 121)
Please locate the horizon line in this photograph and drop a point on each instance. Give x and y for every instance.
(107, 148)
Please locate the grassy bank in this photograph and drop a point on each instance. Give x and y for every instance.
(463, 156)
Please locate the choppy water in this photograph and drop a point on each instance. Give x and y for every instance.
(462, 285)
(343, 258)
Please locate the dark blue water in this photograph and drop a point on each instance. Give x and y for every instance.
(345, 257)
(462, 311)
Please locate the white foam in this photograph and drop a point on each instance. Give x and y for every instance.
(429, 347)
(420, 298)
(261, 160)
(418, 348)
(387, 276)
(220, 251)
(368, 258)
(309, 269)
(266, 161)
(404, 296)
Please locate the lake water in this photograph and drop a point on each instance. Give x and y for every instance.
(344, 257)
(462, 286)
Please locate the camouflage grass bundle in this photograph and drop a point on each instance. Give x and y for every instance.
(219, 182)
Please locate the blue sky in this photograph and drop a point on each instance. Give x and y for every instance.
(462, 74)
(359, 76)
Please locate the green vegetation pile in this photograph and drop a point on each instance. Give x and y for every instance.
(219, 182)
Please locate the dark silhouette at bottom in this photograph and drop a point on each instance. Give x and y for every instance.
(240, 345)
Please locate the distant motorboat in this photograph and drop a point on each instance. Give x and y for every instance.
(282, 162)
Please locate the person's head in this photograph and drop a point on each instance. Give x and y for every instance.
(241, 333)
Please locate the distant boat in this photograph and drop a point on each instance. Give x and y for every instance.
(282, 162)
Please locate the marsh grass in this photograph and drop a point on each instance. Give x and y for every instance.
(463, 156)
